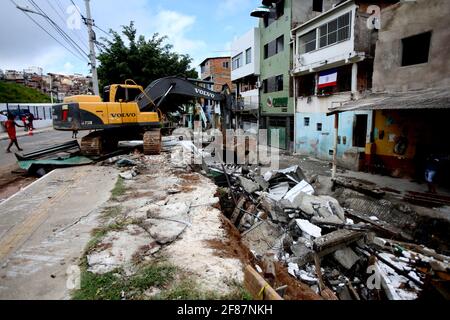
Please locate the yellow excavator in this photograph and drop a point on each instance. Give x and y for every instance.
(128, 112)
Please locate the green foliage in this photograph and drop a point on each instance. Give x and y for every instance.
(115, 285)
(140, 59)
(17, 93)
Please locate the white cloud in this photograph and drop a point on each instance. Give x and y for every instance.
(175, 25)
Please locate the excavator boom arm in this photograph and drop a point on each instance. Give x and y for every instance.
(157, 91)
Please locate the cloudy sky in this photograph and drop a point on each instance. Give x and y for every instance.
(200, 28)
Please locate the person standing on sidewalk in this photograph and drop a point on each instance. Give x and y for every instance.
(10, 126)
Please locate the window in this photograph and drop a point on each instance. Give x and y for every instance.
(248, 56)
(226, 65)
(274, 47)
(306, 122)
(306, 85)
(317, 5)
(307, 42)
(273, 84)
(319, 127)
(335, 31)
(279, 83)
(279, 43)
(416, 49)
(237, 61)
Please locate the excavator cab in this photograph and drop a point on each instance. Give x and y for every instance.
(122, 92)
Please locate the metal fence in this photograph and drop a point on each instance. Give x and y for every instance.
(39, 110)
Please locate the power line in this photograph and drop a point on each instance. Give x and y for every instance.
(107, 33)
(48, 33)
(64, 22)
(60, 31)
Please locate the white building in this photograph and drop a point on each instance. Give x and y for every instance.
(34, 71)
(333, 63)
(245, 71)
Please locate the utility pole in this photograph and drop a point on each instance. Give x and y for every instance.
(92, 56)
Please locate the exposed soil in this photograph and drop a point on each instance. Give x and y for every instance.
(232, 247)
(296, 290)
(12, 180)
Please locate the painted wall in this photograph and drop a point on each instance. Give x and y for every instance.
(320, 144)
(240, 45)
(408, 19)
(278, 64)
(339, 51)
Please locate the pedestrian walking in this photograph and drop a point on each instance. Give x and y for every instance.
(10, 126)
(30, 119)
(25, 124)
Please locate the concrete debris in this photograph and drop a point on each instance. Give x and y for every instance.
(168, 222)
(318, 241)
(118, 248)
(302, 187)
(308, 228)
(346, 257)
(262, 237)
(128, 175)
(248, 185)
(279, 191)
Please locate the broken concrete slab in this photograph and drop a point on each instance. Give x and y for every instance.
(309, 228)
(261, 182)
(117, 249)
(318, 205)
(335, 241)
(346, 257)
(279, 191)
(302, 187)
(168, 223)
(302, 254)
(262, 237)
(248, 185)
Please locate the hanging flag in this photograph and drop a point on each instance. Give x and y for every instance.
(328, 78)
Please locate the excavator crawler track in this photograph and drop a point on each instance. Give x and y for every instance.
(152, 142)
(92, 146)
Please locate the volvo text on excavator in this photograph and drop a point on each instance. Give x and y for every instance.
(128, 112)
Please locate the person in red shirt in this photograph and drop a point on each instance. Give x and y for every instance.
(10, 126)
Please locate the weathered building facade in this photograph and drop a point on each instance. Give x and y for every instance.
(410, 103)
(333, 60)
(245, 66)
(276, 87)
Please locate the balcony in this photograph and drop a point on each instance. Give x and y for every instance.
(249, 101)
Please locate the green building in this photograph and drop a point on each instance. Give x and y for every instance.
(276, 100)
(277, 19)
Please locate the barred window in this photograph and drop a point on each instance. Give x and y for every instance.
(307, 42)
(335, 31)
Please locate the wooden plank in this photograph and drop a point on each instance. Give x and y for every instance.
(258, 287)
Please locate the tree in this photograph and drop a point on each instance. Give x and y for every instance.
(141, 60)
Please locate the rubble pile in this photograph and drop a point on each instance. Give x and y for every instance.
(339, 253)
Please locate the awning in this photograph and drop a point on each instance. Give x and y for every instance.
(421, 99)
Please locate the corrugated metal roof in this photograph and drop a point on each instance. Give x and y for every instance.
(421, 99)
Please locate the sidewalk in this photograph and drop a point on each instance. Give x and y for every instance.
(4, 135)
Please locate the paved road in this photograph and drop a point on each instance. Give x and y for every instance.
(45, 227)
(30, 143)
